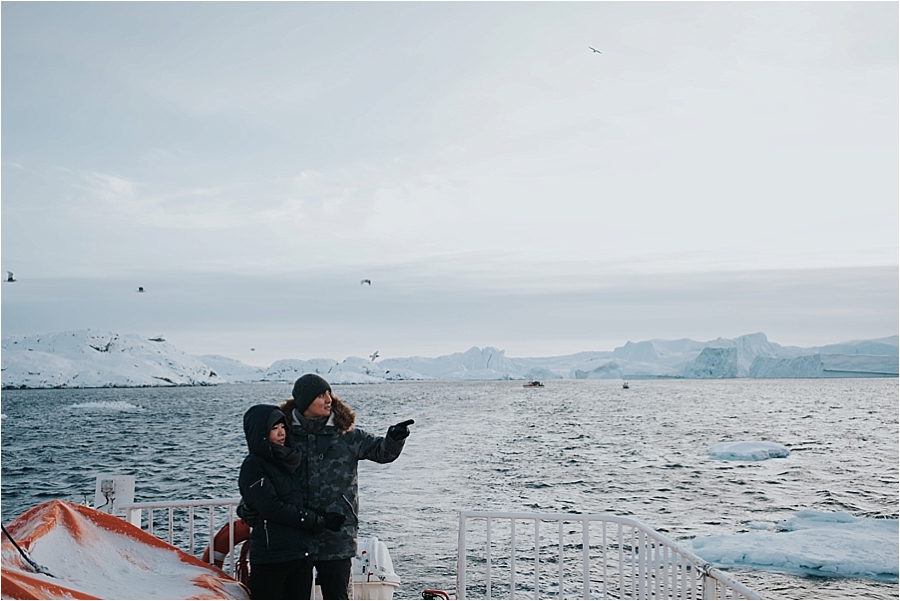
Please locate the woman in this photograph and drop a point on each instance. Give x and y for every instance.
(322, 429)
(283, 528)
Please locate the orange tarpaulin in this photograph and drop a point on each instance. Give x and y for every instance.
(94, 555)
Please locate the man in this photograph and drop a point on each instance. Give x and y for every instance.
(322, 429)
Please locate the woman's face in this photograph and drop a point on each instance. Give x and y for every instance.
(321, 407)
(277, 434)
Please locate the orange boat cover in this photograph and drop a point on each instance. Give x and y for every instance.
(94, 555)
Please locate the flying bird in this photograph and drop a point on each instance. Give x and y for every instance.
(595, 50)
(140, 289)
(9, 277)
(369, 282)
(373, 356)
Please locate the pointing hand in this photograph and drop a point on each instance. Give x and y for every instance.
(401, 430)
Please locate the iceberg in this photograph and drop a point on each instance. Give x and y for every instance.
(825, 366)
(88, 359)
(748, 450)
(812, 543)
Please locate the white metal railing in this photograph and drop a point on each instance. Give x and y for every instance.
(624, 559)
(135, 514)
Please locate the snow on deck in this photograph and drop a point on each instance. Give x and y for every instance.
(92, 553)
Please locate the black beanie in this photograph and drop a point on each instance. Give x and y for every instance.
(306, 389)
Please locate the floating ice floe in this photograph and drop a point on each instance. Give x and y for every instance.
(107, 406)
(812, 543)
(748, 450)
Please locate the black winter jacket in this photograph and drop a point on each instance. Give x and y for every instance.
(284, 530)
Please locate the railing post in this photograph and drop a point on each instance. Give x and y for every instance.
(230, 540)
(512, 559)
(461, 559)
(212, 535)
(537, 558)
(488, 564)
(586, 557)
(657, 569)
(693, 581)
(709, 591)
(191, 529)
(641, 566)
(620, 541)
(603, 557)
(561, 594)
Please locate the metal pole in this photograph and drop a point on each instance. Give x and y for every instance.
(561, 595)
(586, 558)
(231, 539)
(212, 536)
(620, 541)
(537, 559)
(603, 556)
(641, 567)
(191, 529)
(461, 559)
(488, 573)
(512, 560)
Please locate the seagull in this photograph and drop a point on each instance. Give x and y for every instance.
(595, 50)
(140, 289)
(373, 356)
(9, 277)
(252, 349)
(369, 282)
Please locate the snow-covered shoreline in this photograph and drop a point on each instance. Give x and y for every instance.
(98, 359)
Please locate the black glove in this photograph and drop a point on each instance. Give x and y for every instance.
(333, 520)
(400, 431)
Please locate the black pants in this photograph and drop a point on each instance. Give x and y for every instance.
(333, 577)
(279, 580)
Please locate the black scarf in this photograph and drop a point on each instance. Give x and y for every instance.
(289, 458)
(311, 424)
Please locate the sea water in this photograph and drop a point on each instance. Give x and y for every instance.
(586, 446)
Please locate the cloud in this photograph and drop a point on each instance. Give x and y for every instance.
(127, 200)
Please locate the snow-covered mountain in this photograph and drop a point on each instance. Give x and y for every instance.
(93, 359)
(89, 358)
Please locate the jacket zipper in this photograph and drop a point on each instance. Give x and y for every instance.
(266, 529)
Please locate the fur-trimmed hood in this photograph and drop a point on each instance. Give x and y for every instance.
(343, 415)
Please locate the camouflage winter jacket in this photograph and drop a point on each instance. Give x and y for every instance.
(328, 473)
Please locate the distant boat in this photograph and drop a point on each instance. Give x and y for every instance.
(625, 385)
(533, 384)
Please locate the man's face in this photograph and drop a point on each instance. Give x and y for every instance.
(321, 407)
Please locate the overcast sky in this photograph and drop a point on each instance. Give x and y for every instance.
(720, 169)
